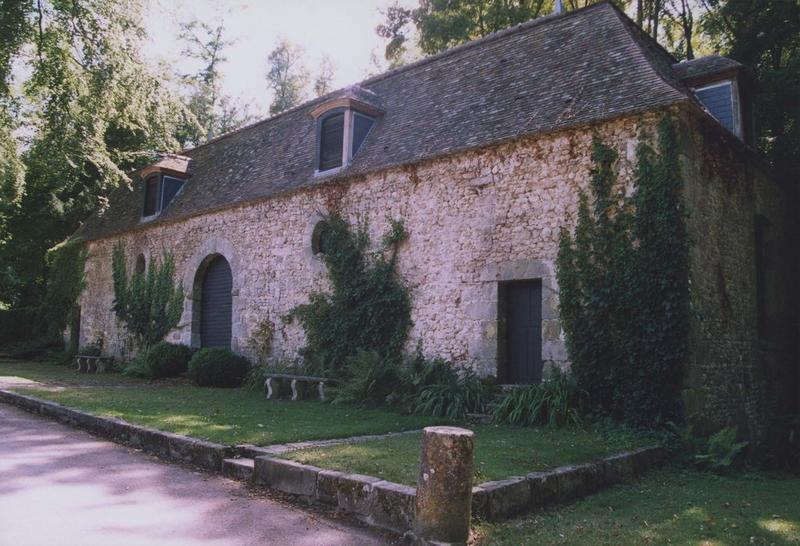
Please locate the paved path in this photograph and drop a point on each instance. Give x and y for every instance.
(63, 487)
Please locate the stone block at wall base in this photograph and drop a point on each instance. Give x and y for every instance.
(393, 506)
(286, 476)
(501, 499)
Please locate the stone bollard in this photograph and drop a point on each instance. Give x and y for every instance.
(444, 486)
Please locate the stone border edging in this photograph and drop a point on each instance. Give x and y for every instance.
(166, 445)
(249, 450)
(497, 500)
(377, 502)
(392, 506)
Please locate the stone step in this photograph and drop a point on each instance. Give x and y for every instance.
(238, 469)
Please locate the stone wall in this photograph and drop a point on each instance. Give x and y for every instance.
(736, 374)
(475, 219)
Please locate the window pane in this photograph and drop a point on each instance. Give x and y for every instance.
(331, 140)
(151, 196)
(719, 101)
(361, 126)
(171, 187)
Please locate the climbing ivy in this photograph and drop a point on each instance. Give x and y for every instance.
(367, 308)
(149, 303)
(624, 285)
(65, 281)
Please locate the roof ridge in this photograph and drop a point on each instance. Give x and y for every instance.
(520, 27)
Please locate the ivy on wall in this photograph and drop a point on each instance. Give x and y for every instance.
(624, 285)
(65, 281)
(367, 308)
(149, 302)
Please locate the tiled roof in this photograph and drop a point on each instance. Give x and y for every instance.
(547, 74)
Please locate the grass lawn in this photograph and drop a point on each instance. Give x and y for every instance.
(670, 506)
(49, 372)
(500, 452)
(230, 416)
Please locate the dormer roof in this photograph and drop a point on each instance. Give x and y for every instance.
(169, 164)
(354, 97)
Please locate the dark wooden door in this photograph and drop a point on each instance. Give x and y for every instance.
(217, 305)
(523, 329)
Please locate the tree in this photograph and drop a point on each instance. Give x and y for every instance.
(149, 303)
(322, 83)
(93, 111)
(216, 113)
(765, 36)
(287, 76)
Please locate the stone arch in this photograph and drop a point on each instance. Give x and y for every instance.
(193, 280)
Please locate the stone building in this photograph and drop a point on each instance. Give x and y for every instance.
(480, 151)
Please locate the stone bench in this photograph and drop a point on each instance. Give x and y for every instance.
(93, 364)
(319, 381)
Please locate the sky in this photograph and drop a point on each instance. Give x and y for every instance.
(344, 30)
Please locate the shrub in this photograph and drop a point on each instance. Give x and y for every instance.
(370, 379)
(149, 303)
(554, 402)
(218, 367)
(367, 308)
(166, 360)
(35, 349)
(623, 280)
(453, 398)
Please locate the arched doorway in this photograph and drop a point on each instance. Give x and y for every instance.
(216, 304)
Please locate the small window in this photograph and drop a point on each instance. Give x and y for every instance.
(331, 141)
(140, 264)
(320, 238)
(171, 188)
(159, 192)
(361, 126)
(151, 197)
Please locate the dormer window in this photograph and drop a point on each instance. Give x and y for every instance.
(343, 124)
(159, 191)
(721, 99)
(331, 141)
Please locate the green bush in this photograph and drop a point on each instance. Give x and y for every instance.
(166, 360)
(35, 349)
(554, 402)
(218, 367)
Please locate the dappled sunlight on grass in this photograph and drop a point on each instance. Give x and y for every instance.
(671, 506)
(787, 530)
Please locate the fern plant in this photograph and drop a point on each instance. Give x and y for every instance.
(721, 450)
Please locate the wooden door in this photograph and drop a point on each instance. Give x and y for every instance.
(217, 305)
(523, 331)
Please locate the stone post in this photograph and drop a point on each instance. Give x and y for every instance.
(444, 486)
